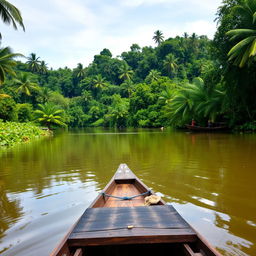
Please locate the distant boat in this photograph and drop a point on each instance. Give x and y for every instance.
(118, 222)
(206, 129)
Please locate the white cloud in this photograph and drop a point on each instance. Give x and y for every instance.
(65, 32)
(76, 11)
(201, 27)
(135, 3)
(206, 4)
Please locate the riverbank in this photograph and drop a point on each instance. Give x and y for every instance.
(12, 133)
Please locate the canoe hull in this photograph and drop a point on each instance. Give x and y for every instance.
(116, 226)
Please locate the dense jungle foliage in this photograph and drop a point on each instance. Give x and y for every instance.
(182, 78)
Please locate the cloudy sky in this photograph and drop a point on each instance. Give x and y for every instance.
(66, 32)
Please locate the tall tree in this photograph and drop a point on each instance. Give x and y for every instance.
(25, 85)
(239, 82)
(7, 63)
(153, 76)
(10, 15)
(244, 49)
(34, 63)
(99, 82)
(158, 37)
(45, 94)
(125, 72)
(79, 71)
(43, 67)
(185, 35)
(128, 87)
(170, 63)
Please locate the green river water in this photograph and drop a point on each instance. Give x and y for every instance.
(209, 178)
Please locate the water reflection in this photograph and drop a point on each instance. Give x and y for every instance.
(10, 211)
(45, 186)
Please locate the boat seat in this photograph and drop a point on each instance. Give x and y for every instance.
(131, 225)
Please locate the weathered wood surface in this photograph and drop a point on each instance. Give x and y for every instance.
(152, 224)
(124, 173)
(124, 190)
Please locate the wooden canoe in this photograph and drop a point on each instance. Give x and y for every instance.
(206, 129)
(118, 223)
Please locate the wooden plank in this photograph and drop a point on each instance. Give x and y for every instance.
(187, 250)
(153, 224)
(133, 236)
(99, 201)
(62, 248)
(78, 252)
(100, 219)
(124, 173)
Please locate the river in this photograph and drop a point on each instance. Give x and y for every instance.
(209, 178)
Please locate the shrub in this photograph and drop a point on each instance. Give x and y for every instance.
(24, 112)
(8, 109)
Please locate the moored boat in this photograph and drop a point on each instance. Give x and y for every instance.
(118, 222)
(206, 129)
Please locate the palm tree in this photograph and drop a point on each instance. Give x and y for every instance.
(26, 86)
(181, 106)
(45, 94)
(99, 82)
(185, 35)
(34, 63)
(125, 72)
(153, 75)
(158, 37)
(10, 15)
(3, 96)
(49, 114)
(195, 101)
(79, 71)
(214, 104)
(86, 95)
(43, 67)
(170, 63)
(167, 94)
(245, 50)
(7, 63)
(128, 85)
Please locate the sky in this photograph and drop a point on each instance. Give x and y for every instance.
(67, 32)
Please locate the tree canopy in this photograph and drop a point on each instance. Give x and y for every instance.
(181, 78)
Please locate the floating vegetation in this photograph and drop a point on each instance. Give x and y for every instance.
(12, 133)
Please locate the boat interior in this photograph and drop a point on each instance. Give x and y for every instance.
(123, 188)
(172, 249)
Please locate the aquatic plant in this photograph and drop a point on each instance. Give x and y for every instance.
(12, 133)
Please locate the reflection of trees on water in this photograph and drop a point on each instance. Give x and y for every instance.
(10, 211)
(214, 171)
